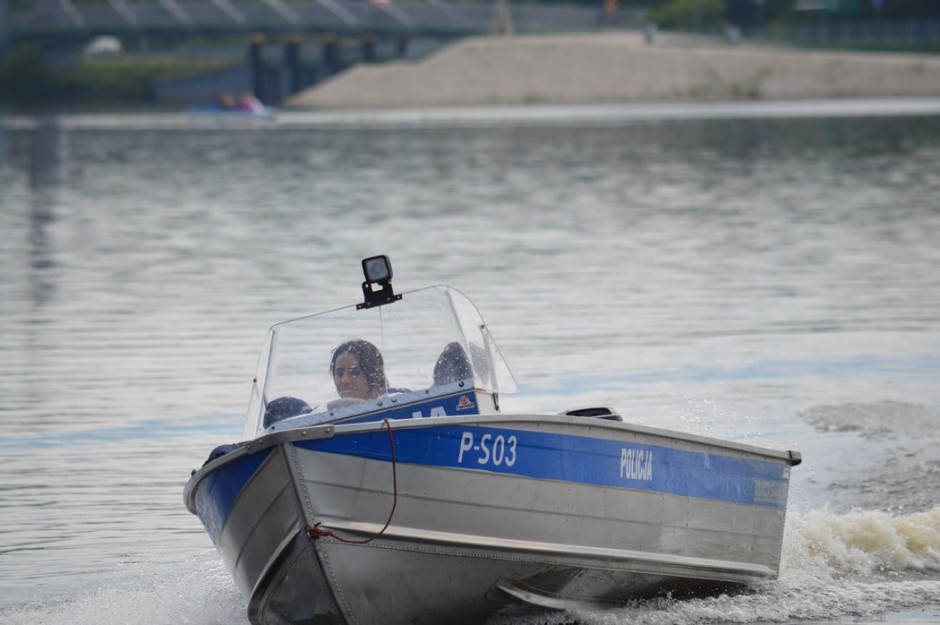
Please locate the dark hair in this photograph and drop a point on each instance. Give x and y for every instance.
(284, 408)
(370, 361)
(452, 365)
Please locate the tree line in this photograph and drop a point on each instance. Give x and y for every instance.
(750, 13)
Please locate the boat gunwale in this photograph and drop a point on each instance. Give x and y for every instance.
(792, 457)
(330, 430)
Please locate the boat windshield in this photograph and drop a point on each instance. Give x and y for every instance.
(432, 342)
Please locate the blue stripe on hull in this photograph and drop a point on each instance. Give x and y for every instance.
(219, 489)
(577, 459)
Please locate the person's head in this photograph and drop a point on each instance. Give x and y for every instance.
(284, 408)
(358, 370)
(452, 365)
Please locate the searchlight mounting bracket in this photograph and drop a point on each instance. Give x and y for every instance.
(377, 288)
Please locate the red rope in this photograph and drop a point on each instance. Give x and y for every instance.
(317, 531)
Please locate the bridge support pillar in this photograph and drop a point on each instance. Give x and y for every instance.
(5, 43)
(295, 80)
(401, 46)
(368, 48)
(256, 66)
(331, 60)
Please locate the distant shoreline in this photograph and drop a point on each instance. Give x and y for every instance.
(620, 68)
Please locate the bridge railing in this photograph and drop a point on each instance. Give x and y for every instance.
(119, 17)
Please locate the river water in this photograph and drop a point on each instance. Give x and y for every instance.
(767, 273)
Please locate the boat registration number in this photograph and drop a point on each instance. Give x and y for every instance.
(490, 450)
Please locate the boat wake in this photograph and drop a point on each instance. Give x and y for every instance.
(835, 566)
(857, 565)
(861, 543)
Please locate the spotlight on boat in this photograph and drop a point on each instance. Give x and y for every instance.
(377, 289)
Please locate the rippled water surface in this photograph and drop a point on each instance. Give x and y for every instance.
(756, 275)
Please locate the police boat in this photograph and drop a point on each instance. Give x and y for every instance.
(380, 482)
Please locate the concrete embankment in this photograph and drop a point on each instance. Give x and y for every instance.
(608, 68)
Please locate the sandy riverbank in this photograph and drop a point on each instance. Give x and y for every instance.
(608, 68)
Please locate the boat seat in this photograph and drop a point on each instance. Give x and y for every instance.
(342, 402)
(597, 412)
(220, 451)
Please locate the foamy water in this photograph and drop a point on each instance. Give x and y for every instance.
(858, 564)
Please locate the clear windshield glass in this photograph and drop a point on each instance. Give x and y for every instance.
(433, 337)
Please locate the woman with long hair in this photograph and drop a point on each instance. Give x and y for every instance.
(358, 370)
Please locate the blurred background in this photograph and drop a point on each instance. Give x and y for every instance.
(167, 53)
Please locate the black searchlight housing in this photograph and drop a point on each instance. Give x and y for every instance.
(377, 289)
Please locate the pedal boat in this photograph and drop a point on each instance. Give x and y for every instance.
(432, 505)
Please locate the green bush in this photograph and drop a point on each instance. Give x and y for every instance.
(125, 79)
(25, 77)
(681, 15)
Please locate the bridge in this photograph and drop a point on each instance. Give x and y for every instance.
(376, 29)
(57, 21)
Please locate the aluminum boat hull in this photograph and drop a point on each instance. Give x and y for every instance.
(470, 513)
